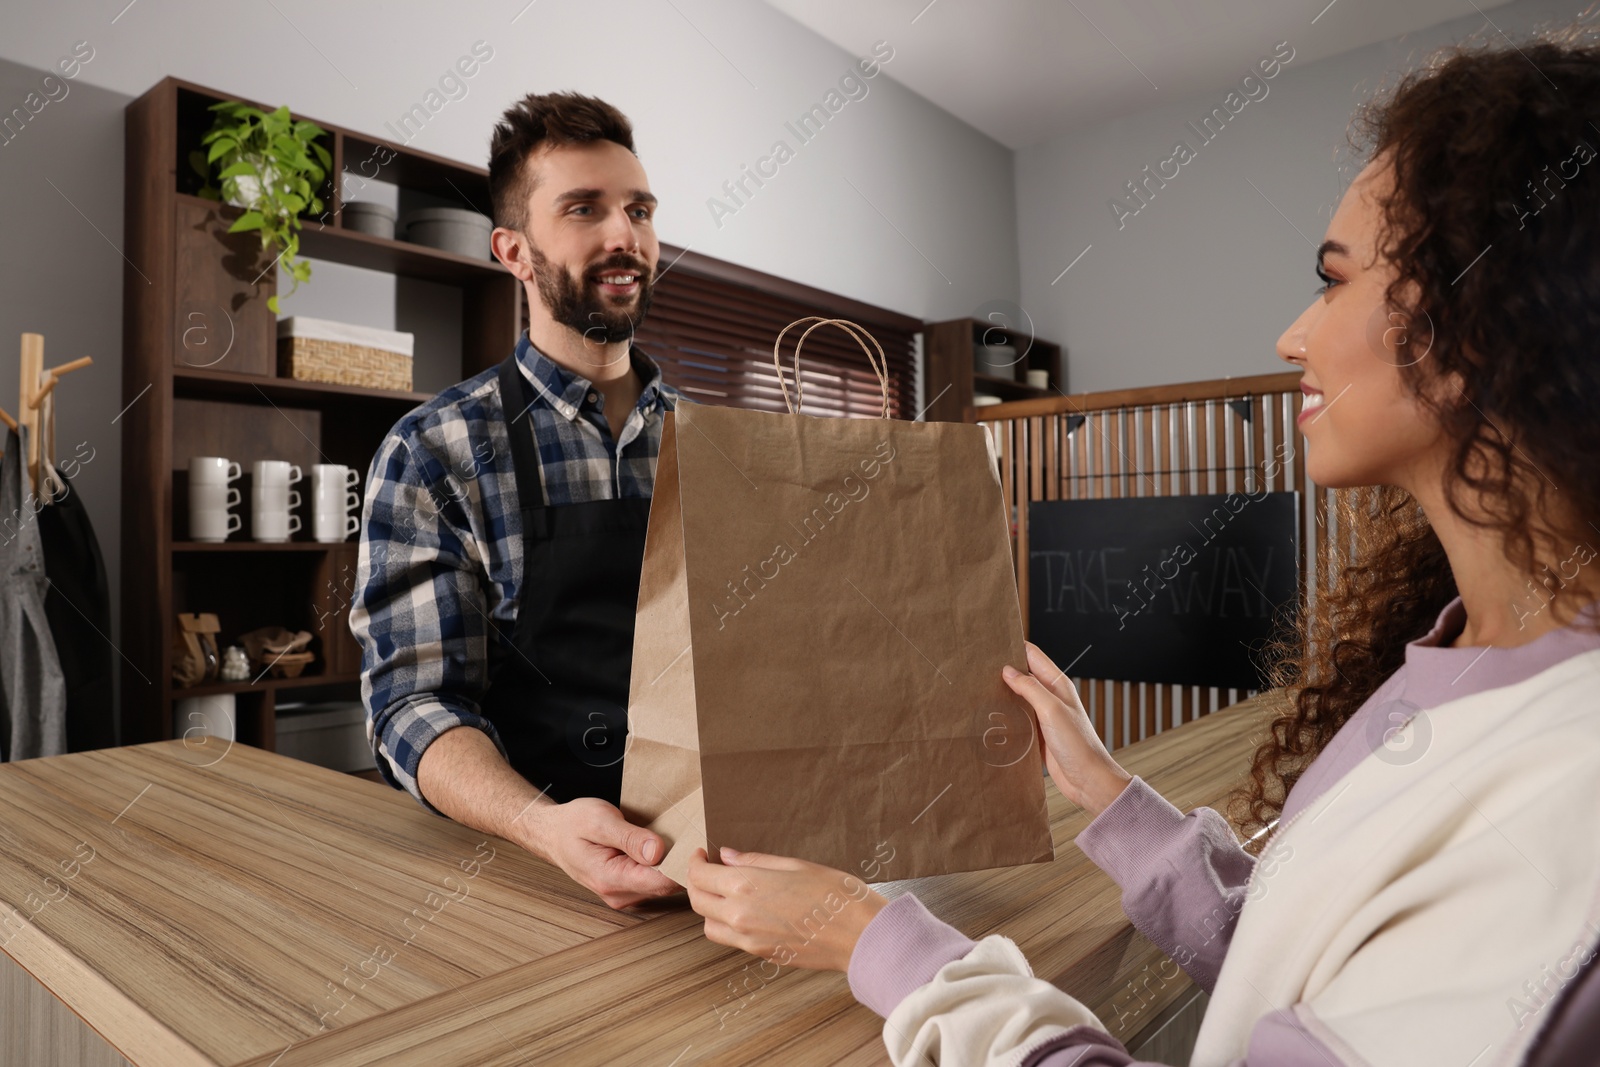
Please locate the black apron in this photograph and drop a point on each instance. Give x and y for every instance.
(559, 697)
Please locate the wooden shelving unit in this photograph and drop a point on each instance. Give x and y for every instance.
(950, 379)
(187, 288)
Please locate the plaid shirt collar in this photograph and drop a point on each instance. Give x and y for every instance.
(566, 390)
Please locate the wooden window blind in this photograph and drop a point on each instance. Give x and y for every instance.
(711, 326)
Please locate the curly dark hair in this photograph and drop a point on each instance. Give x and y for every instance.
(540, 119)
(1492, 224)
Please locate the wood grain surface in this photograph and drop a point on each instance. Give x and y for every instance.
(202, 904)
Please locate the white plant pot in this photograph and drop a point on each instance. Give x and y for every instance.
(249, 188)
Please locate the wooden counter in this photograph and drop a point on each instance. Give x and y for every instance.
(199, 905)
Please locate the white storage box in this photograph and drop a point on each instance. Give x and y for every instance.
(332, 735)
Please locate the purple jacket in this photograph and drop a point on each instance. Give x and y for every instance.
(1183, 877)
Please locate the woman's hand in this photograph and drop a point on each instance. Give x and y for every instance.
(1073, 754)
(787, 911)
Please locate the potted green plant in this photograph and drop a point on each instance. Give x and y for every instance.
(272, 166)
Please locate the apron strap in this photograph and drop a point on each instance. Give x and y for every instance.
(516, 398)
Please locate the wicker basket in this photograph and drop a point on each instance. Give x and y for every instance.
(321, 350)
(310, 359)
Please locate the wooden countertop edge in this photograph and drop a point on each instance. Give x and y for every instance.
(139, 1037)
(391, 1037)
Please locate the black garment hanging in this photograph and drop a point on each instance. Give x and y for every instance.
(559, 697)
(78, 607)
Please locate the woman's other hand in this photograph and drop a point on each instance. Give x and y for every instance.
(787, 911)
(1073, 754)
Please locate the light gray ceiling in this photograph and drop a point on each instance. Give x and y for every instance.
(1023, 71)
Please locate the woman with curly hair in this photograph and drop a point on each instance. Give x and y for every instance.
(1430, 889)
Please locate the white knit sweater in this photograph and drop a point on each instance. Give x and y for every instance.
(1410, 910)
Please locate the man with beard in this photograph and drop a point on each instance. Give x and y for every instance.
(503, 528)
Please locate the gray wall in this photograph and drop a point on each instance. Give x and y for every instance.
(1201, 282)
(62, 276)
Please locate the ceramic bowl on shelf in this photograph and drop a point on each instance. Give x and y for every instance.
(995, 361)
(364, 216)
(450, 229)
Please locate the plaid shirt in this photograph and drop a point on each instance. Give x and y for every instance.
(441, 539)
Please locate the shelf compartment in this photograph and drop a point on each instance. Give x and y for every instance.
(951, 379)
(371, 159)
(354, 249)
(296, 590)
(334, 244)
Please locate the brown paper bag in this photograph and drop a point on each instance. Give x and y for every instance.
(824, 609)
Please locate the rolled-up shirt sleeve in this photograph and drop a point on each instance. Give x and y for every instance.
(419, 611)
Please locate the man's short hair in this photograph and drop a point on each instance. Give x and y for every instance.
(539, 119)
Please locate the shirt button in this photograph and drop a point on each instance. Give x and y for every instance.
(592, 398)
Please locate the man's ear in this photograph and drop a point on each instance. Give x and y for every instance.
(508, 247)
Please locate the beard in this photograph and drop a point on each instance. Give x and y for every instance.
(579, 304)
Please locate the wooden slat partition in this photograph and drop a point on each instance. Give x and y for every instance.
(1163, 440)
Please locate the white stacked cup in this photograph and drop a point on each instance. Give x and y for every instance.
(210, 497)
(272, 501)
(333, 498)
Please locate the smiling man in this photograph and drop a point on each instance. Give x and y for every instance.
(503, 529)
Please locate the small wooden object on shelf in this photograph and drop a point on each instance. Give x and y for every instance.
(277, 651)
(194, 649)
(290, 664)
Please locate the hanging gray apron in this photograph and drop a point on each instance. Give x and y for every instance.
(33, 692)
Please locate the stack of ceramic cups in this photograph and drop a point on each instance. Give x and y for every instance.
(210, 498)
(333, 498)
(272, 500)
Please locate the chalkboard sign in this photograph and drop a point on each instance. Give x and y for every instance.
(1171, 589)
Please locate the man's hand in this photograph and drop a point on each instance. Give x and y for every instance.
(590, 840)
(465, 777)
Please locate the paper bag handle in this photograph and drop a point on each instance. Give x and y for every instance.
(880, 364)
